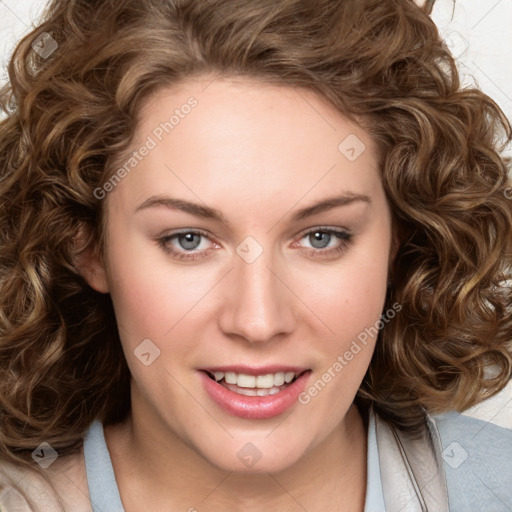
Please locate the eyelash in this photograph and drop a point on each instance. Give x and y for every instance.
(345, 238)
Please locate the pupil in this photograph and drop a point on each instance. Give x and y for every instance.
(318, 235)
(189, 240)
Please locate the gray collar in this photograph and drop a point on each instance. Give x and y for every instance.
(412, 470)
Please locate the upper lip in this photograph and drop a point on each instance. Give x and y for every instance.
(253, 370)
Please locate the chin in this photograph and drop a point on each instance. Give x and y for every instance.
(247, 457)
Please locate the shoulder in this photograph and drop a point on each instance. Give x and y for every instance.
(62, 486)
(477, 457)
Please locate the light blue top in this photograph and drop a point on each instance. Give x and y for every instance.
(477, 455)
(101, 481)
(478, 463)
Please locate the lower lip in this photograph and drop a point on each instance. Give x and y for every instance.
(254, 407)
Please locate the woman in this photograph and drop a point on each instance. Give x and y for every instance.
(253, 255)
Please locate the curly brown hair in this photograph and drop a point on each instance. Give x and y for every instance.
(72, 114)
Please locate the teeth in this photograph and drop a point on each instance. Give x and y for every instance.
(254, 392)
(230, 378)
(246, 381)
(268, 381)
(247, 392)
(288, 376)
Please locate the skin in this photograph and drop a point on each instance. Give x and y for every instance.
(258, 153)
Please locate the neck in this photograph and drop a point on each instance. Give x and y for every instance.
(330, 476)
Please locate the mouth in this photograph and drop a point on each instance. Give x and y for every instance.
(254, 393)
(255, 385)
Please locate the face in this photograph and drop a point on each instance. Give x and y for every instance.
(249, 243)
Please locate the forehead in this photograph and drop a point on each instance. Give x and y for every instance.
(243, 139)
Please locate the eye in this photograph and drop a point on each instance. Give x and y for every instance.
(187, 244)
(180, 245)
(189, 240)
(326, 241)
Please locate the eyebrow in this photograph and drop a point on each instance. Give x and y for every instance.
(209, 213)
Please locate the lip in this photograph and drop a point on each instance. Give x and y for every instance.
(254, 407)
(253, 370)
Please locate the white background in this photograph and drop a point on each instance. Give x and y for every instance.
(479, 32)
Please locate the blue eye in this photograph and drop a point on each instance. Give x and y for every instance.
(184, 245)
(188, 241)
(321, 237)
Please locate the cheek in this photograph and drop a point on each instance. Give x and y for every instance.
(351, 305)
(154, 299)
(352, 318)
(351, 308)
(352, 298)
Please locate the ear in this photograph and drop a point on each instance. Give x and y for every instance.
(89, 263)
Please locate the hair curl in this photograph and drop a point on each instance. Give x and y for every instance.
(72, 114)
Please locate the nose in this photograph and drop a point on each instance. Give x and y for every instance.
(257, 305)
